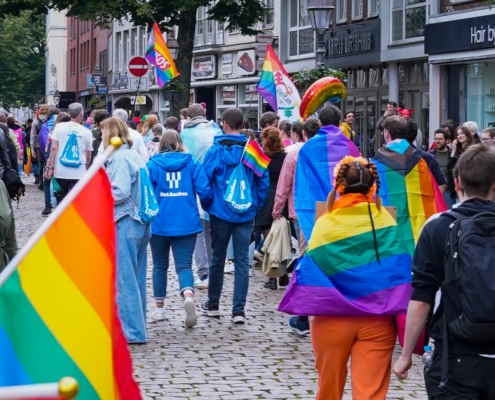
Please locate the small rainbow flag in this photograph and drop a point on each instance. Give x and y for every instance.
(157, 53)
(345, 272)
(406, 183)
(58, 315)
(254, 158)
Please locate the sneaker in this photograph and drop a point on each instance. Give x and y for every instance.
(298, 326)
(259, 255)
(229, 268)
(210, 309)
(158, 314)
(191, 319)
(271, 284)
(47, 210)
(201, 283)
(283, 280)
(239, 318)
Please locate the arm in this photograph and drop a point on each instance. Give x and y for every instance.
(379, 124)
(436, 171)
(210, 163)
(34, 137)
(121, 181)
(284, 186)
(202, 186)
(142, 150)
(51, 160)
(88, 158)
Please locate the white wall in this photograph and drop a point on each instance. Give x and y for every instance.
(56, 53)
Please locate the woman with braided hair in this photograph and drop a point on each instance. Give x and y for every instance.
(354, 279)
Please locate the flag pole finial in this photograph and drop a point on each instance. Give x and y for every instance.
(68, 386)
(116, 142)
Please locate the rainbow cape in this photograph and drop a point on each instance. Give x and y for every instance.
(58, 315)
(406, 183)
(157, 53)
(277, 88)
(340, 274)
(254, 158)
(314, 172)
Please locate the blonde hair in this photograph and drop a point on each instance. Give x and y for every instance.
(149, 123)
(114, 127)
(44, 108)
(172, 141)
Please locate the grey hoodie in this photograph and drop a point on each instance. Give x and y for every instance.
(195, 122)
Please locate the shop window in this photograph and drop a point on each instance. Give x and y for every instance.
(480, 93)
(357, 9)
(349, 103)
(408, 19)
(373, 77)
(402, 73)
(426, 72)
(360, 79)
(373, 8)
(341, 11)
(228, 95)
(385, 76)
(350, 80)
(301, 35)
(414, 73)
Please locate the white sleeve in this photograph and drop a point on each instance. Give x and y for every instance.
(100, 149)
(141, 149)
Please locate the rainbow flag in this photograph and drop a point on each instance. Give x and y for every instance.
(277, 88)
(344, 273)
(314, 173)
(157, 53)
(406, 183)
(58, 315)
(254, 158)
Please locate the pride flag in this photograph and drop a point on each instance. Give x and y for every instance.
(277, 88)
(254, 158)
(157, 53)
(341, 273)
(314, 173)
(407, 183)
(58, 315)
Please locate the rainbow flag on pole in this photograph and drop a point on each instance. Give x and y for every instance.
(345, 271)
(277, 88)
(157, 53)
(254, 158)
(58, 313)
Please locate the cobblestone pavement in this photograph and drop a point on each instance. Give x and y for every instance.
(217, 360)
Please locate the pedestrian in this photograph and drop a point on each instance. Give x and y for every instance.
(463, 363)
(148, 124)
(51, 187)
(71, 150)
(285, 129)
(464, 139)
(296, 137)
(136, 116)
(98, 117)
(153, 144)
(36, 151)
(14, 127)
(273, 147)
(347, 125)
(124, 171)
(473, 128)
(441, 152)
(177, 177)
(378, 139)
(172, 123)
(359, 295)
(488, 136)
(183, 119)
(219, 164)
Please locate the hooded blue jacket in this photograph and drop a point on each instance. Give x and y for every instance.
(219, 163)
(176, 179)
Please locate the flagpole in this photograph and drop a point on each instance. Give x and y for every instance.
(57, 212)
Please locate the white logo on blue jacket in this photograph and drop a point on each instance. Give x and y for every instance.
(173, 179)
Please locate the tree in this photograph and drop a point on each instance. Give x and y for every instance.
(240, 14)
(22, 68)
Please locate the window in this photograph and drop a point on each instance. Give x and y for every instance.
(268, 21)
(104, 63)
(73, 29)
(200, 26)
(219, 32)
(360, 79)
(408, 19)
(357, 9)
(426, 72)
(373, 8)
(72, 61)
(118, 51)
(125, 54)
(134, 42)
(341, 11)
(301, 35)
(373, 77)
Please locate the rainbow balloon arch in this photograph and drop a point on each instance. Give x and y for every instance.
(323, 90)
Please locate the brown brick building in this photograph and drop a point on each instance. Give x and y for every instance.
(87, 46)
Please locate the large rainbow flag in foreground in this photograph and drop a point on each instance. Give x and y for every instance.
(158, 54)
(407, 183)
(314, 173)
(341, 273)
(58, 315)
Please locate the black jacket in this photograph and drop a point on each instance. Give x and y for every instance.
(428, 274)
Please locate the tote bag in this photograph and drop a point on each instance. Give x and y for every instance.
(238, 194)
(70, 154)
(149, 204)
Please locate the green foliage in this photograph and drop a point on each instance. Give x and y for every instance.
(306, 77)
(96, 102)
(22, 67)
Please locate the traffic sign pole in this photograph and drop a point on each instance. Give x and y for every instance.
(138, 66)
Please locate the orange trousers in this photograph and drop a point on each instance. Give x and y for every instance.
(369, 341)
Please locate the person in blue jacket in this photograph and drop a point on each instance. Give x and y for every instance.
(219, 163)
(176, 178)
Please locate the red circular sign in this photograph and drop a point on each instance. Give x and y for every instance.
(138, 66)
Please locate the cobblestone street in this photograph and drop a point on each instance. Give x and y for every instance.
(217, 360)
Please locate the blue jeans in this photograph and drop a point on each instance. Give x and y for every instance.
(221, 231)
(182, 249)
(202, 251)
(132, 243)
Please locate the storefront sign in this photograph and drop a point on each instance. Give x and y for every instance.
(204, 67)
(464, 34)
(265, 37)
(227, 69)
(227, 58)
(246, 62)
(351, 44)
(261, 51)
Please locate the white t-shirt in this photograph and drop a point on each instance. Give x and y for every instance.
(61, 134)
(137, 145)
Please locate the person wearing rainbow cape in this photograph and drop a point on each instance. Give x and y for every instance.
(354, 279)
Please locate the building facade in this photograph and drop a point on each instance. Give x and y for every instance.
(56, 61)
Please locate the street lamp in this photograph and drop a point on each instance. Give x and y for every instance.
(56, 98)
(320, 14)
(173, 46)
(96, 77)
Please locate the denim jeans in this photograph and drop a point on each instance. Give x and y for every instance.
(132, 243)
(48, 193)
(182, 249)
(449, 200)
(202, 251)
(221, 231)
(230, 250)
(297, 228)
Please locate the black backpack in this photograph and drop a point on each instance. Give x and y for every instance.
(11, 178)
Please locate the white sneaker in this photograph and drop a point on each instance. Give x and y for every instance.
(191, 319)
(158, 314)
(259, 255)
(229, 268)
(201, 284)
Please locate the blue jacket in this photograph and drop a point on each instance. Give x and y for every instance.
(176, 179)
(219, 163)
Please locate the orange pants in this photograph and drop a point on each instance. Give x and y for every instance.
(370, 342)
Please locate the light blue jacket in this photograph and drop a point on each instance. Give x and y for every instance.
(123, 170)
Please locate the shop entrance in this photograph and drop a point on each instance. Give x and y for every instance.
(207, 95)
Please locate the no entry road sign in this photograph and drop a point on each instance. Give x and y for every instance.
(138, 66)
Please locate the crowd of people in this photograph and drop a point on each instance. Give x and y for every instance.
(363, 242)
